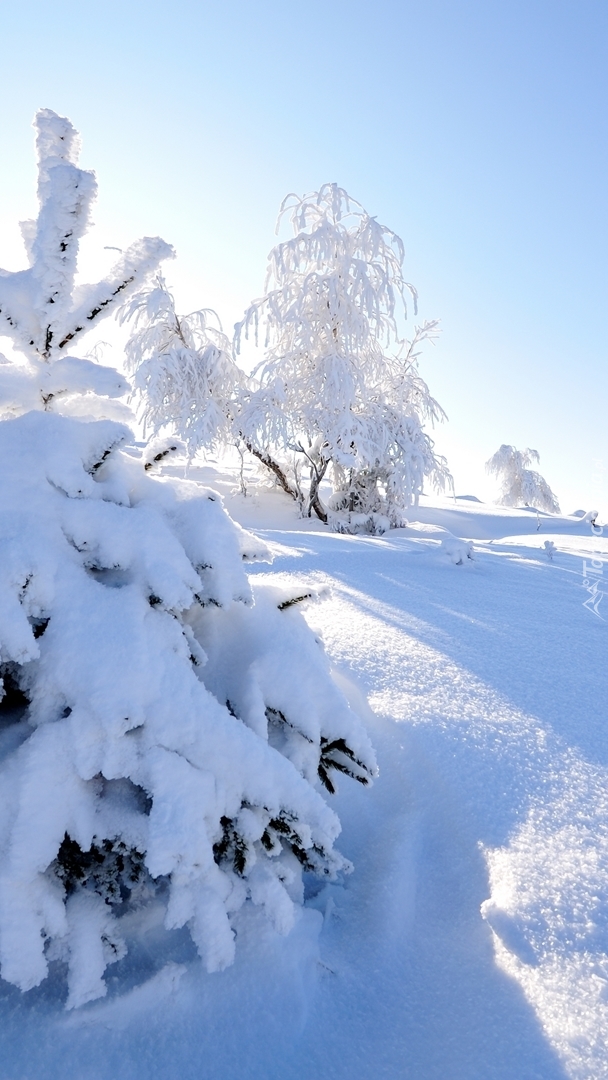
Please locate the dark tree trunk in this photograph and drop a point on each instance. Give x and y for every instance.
(314, 502)
(270, 463)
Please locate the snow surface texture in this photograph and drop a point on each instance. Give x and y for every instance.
(471, 942)
(40, 309)
(177, 725)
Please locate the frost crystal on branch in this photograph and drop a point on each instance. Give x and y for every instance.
(338, 385)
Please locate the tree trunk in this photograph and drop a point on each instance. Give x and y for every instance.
(274, 467)
(314, 502)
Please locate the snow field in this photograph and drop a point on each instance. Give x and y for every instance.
(470, 942)
(534, 802)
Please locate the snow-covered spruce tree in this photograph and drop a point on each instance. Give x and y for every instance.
(521, 486)
(337, 386)
(164, 729)
(184, 374)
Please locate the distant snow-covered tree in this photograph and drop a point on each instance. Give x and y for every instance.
(338, 386)
(166, 729)
(521, 486)
(184, 373)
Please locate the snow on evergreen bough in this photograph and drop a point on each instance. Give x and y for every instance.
(178, 726)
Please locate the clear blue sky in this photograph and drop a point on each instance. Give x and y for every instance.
(476, 130)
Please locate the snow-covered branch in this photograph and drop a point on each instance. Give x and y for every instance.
(40, 309)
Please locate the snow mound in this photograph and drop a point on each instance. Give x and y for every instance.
(457, 551)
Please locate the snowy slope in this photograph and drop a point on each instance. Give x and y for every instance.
(471, 942)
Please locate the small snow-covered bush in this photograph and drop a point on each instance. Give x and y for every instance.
(165, 729)
(521, 486)
(458, 551)
(338, 387)
(549, 549)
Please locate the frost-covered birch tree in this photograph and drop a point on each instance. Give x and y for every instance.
(167, 727)
(185, 378)
(338, 387)
(520, 485)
